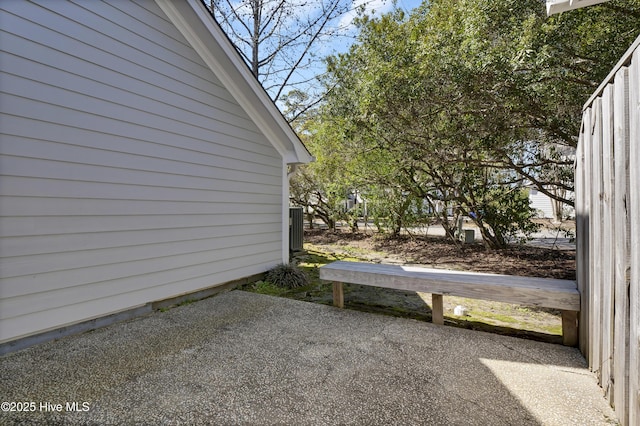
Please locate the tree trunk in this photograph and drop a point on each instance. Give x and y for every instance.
(255, 37)
(491, 241)
(450, 233)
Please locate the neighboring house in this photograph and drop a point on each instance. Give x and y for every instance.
(140, 161)
(548, 208)
(541, 203)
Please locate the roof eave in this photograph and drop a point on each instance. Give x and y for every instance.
(558, 6)
(198, 26)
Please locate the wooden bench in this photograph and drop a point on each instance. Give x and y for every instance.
(539, 292)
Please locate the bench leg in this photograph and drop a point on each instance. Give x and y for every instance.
(437, 309)
(570, 328)
(338, 294)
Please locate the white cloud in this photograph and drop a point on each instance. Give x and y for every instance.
(372, 8)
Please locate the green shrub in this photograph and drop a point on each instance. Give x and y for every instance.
(287, 276)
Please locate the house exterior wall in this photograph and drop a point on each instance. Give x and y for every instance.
(541, 203)
(128, 173)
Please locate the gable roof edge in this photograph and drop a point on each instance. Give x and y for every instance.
(197, 25)
(559, 6)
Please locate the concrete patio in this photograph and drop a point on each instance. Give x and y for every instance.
(243, 358)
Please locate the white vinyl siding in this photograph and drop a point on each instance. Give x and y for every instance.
(128, 173)
(541, 203)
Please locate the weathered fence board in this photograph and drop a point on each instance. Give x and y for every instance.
(634, 214)
(607, 232)
(621, 247)
(608, 235)
(595, 237)
(582, 230)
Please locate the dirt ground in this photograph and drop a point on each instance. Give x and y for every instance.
(322, 247)
(437, 252)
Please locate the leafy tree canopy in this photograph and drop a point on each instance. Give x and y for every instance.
(464, 102)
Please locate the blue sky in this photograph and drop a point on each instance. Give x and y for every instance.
(374, 8)
(343, 29)
(380, 7)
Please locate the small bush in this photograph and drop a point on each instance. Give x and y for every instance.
(287, 276)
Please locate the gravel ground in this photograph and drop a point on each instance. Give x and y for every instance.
(244, 358)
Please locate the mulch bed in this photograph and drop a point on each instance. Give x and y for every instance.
(439, 252)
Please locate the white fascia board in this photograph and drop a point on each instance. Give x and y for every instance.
(558, 6)
(196, 24)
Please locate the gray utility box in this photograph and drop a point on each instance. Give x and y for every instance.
(296, 229)
(469, 236)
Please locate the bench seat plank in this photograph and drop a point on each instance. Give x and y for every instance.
(529, 291)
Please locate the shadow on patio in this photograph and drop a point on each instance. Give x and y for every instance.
(244, 358)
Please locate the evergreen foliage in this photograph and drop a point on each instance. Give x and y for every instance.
(453, 109)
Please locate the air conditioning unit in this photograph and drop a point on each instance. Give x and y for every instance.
(296, 229)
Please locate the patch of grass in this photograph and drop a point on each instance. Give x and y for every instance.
(315, 258)
(359, 252)
(504, 319)
(346, 253)
(557, 329)
(312, 259)
(483, 315)
(265, 287)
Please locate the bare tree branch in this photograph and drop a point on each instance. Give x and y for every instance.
(276, 37)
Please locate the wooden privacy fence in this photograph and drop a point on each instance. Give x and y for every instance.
(608, 235)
